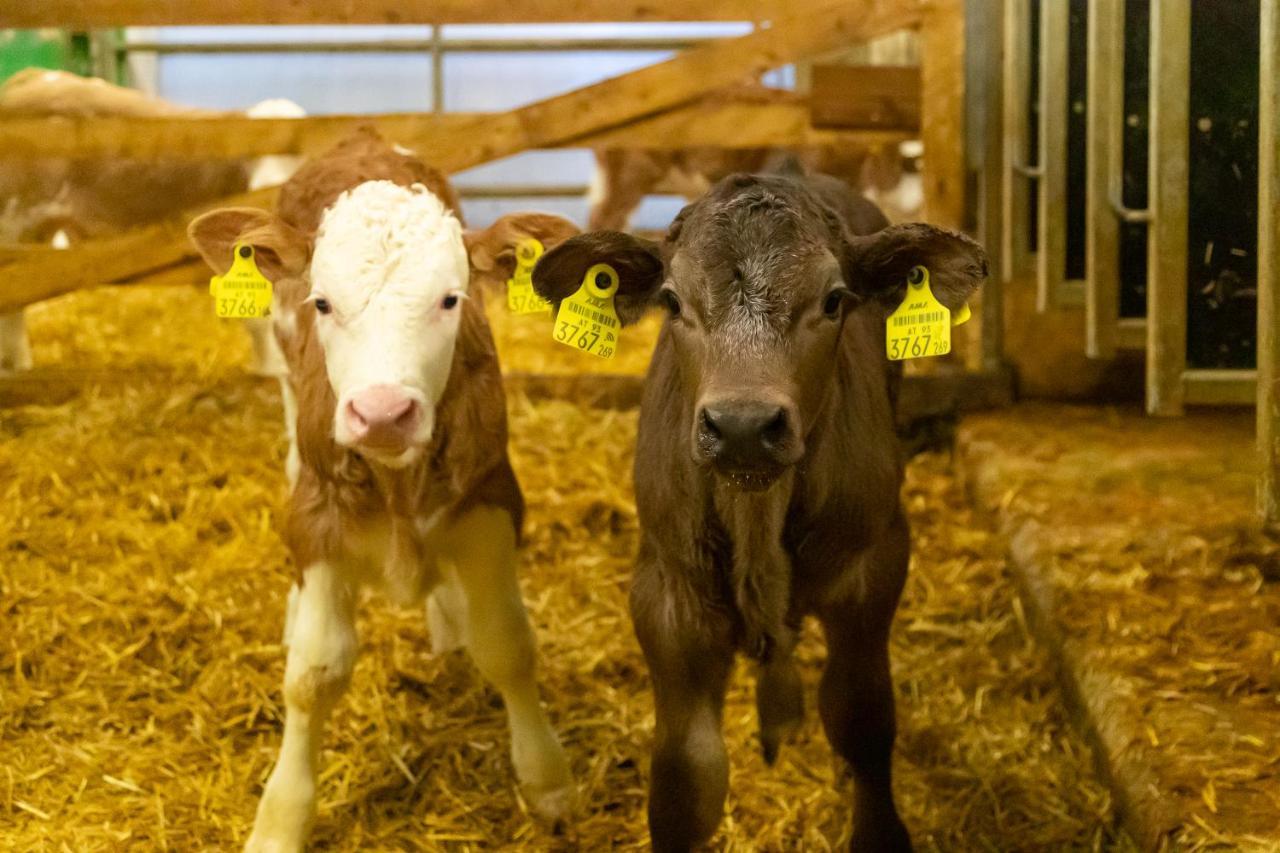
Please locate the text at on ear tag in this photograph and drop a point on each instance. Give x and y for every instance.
(921, 326)
(587, 320)
(243, 291)
(521, 297)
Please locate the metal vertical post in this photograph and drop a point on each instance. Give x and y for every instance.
(1269, 269)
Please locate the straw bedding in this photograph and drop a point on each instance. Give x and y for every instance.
(142, 599)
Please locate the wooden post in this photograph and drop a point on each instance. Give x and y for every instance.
(1015, 250)
(1269, 270)
(1167, 236)
(1051, 248)
(1104, 145)
(942, 111)
(990, 20)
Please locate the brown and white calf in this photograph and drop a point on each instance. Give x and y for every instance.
(403, 481)
(65, 200)
(767, 472)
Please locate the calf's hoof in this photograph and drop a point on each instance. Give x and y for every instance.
(884, 836)
(552, 805)
(258, 843)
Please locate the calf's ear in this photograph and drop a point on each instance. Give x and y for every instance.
(638, 263)
(877, 264)
(492, 250)
(279, 250)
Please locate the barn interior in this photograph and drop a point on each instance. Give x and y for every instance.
(1086, 653)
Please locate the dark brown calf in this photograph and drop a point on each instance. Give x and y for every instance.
(768, 472)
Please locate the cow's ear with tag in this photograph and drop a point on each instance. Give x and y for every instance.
(637, 262)
(878, 264)
(492, 250)
(280, 250)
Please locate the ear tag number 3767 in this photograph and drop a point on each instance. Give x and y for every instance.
(921, 325)
(243, 292)
(521, 297)
(587, 320)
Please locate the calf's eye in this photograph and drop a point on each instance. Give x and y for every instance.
(449, 302)
(322, 305)
(831, 307)
(671, 301)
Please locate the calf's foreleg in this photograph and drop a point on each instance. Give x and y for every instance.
(689, 658)
(855, 696)
(322, 651)
(480, 550)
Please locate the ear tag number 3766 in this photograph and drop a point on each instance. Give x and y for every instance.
(243, 292)
(521, 297)
(921, 325)
(587, 320)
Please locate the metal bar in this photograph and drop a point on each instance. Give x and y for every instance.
(1035, 173)
(1167, 236)
(1268, 390)
(1220, 387)
(1131, 333)
(417, 45)
(1104, 150)
(482, 191)
(1015, 251)
(1128, 214)
(437, 71)
(1051, 243)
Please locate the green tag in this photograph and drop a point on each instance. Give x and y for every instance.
(243, 292)
(587, 320)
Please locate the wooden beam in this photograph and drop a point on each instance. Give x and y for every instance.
(562, 120)
(1219, 387)
(134, 253)
(1268, 390)
(1167, 236)
(95, 14)
(1104, 146)
(716, 123)
(885, 97)
(942, 111)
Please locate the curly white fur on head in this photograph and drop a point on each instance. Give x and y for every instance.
(391, 269)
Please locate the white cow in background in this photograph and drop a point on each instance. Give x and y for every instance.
(62, 200)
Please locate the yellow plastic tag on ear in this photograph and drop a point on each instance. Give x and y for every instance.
(962, 316)
(921, 325)
(587, 320)
(243, 292)
(521, 297)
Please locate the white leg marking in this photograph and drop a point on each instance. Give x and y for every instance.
(322, 651)
(15, 349)
(481, 547)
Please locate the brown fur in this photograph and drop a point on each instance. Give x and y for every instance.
(630, 174)
(733, 559)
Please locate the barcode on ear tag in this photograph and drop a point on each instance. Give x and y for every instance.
(587, 320)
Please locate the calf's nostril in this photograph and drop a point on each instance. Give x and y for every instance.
(776, 428)
(709, 427)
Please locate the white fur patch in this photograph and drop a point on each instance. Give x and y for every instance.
(386, 257)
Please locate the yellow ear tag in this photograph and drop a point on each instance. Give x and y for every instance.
(587, 320)
(521, 297)
(962, 316)
(243, 292)
(921, 325)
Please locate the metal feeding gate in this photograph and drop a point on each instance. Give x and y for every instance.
(1140, 173)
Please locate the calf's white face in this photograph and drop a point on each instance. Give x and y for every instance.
(388, 276)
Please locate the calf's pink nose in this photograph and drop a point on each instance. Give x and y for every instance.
(382, 416)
